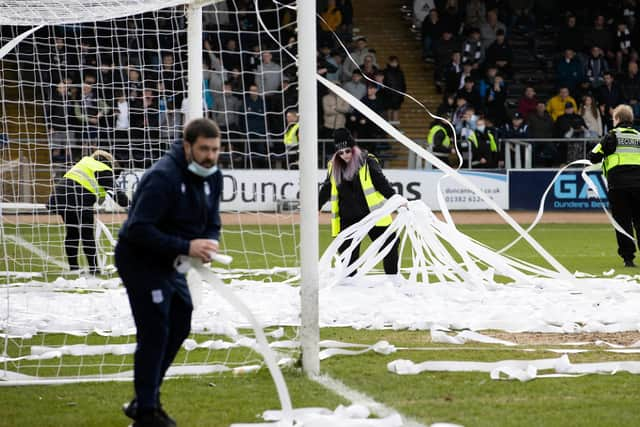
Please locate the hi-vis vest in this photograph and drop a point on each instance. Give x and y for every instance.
(627, 152)
(446, 142)
(84, 173)
(291, 135)
(374, 199)
(493, 146)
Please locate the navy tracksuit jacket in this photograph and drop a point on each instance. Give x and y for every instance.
(170, 207)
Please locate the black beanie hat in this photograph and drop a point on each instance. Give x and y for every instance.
(342, 139)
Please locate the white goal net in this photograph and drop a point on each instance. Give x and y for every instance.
(113, 76)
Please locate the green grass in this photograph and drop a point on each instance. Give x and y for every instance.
(470, 399)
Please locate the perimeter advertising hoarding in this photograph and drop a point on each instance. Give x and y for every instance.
(260, 190)
(569, 191)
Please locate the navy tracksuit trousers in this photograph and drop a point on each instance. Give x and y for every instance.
(163, 321)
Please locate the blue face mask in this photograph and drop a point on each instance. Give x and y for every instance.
(201, 171)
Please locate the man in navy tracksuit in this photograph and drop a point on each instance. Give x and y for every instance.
(175, 211)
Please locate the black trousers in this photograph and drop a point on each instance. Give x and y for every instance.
(390, 261)
(163, 322)
(79, 227)
(625, 208)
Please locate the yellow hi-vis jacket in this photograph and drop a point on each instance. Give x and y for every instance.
(291, 135)
(84, 173)
(493, 146)
(375, 200)
(446, 142)
(627, 152)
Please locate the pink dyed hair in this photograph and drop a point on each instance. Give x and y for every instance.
(347, 171)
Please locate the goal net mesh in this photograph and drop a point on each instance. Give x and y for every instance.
(112, 75)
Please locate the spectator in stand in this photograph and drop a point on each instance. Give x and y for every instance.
(630, 86)
(556, 105)
(540, 123)
(521, 15)
(447, 107)
(600, 36)
(337, 60)
(421, 10)
(489, 29)
(569, 71)
(609, 94)
(596, 66)
(468, 72)
(485, 84)
(334, 69)
(356, 87)
(452, 72)
(228, 111)
(383, 94)
(475, 14)
(331, 21)
(458, 117)
(495, 101)
(231, 57)
(591, 115)
(151, 125)
(471, 94)
(88, 113)
(570, 125)
(334, 109)
(174, 87)
(527, 102)
(250, 63)
(268, 75)
(501, 54)
(516, 129)
(584, 88)
(570, 36)
(467, 125)
(442, 52)
(369, 68)
(452, 16)
(622, 45)
(346, 27)
(59, 112)
(358, 55)
(122, 124)
(472, 47)
(254, 106)
(366, 129)
(394, 78)
(440, 140)
(432, 29)
(484, 146)
(541, 126)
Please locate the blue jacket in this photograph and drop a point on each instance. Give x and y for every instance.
(170, 207)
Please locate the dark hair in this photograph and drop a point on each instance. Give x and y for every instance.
(203, 127)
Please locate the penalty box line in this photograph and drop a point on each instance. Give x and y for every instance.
(356, 397)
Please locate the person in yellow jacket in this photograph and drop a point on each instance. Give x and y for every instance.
(556, 105)
(74, 198)
(619, 151)
(292, 139)
(356, 185)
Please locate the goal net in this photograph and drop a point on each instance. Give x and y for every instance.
(113, 76)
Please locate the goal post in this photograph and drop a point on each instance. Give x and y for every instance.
(309, 255)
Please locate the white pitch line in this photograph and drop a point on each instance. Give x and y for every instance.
(354, 396)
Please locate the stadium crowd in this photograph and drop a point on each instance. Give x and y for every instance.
(592, 62)
(121, 85)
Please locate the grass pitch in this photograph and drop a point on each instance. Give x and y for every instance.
(470, 399)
